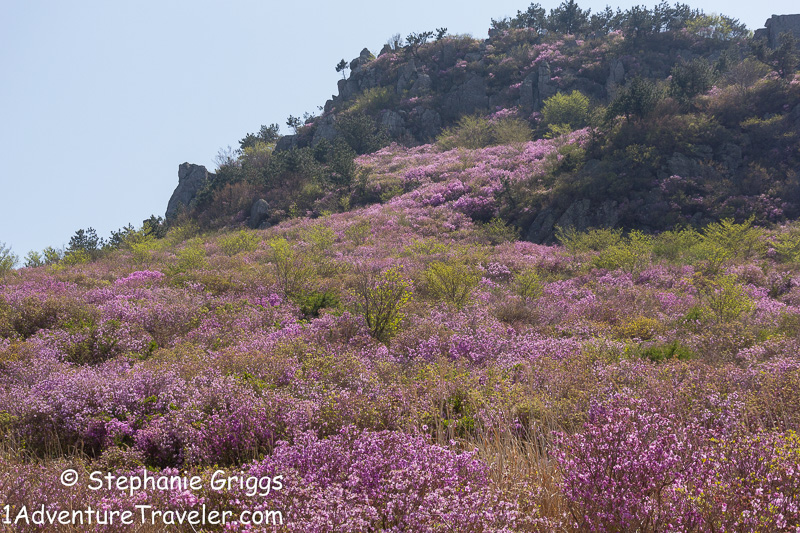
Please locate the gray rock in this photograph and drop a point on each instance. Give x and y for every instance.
(191, 179)
(730, 155)
(776, 25)
(393, 122)
(406, 73)
(287, 142)
(616, 77)
(466, 98)
(422, 85)
(387, 49)
(363, 58)
(526, 100)
(545, 88)
(325, 130)
(580, 215)
(425, 123)
(258, 213)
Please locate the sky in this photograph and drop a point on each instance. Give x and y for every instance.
(101, 101)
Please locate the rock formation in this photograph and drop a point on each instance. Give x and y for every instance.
(191, 179)
(776, 25)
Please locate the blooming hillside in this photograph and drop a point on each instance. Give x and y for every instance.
(408, 367)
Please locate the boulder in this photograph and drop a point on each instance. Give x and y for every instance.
(191, 180)
(259, 213)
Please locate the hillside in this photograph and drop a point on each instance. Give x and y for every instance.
(687, 121)
(395, 344)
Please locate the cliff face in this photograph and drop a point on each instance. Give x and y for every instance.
(776, 25)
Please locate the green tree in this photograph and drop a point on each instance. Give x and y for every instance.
(690, 79)
(380, 299)
(568, 18)
(8, 260)
(637, 99)
(341, 66)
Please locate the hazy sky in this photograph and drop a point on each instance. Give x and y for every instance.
(101, 101)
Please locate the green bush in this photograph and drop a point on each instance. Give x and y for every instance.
(666, 352)
(528, 284)
(674, 244)
(739, 240)
(722, 297)
(373, 100)
(590, 240)
(312, 302)
(570, 109)
(630, 254)
(241, 241)
(452, 281)
(473, 132)
(290, 270)
(380, 299)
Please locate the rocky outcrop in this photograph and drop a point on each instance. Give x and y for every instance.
(259, 213)
(580, 215)
(466, 98)
(536, 88)
(776, 25)
(191, 179)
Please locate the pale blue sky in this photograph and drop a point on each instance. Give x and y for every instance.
(101, 101)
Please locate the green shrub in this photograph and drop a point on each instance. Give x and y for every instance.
(452, 282)
(380, 299)
(528, 284)
(590, 240)
(631, 254)
(672, 245)
(471, 132)
(571, 110)
(290, 270)
(373, 100)
(497, 231)
(191, 257)
(787, 246)
(740, 240)
(510, 130)
(241, 241)
(723, 297)
(312, 302)
(666, 352)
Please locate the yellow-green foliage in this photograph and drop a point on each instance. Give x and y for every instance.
(571, 110)
(471, 132)
(474, 132)
(498, 231)
(672, 245)
(290, 270)
(380, 299)
(590, 240)
(241, 241)
(359, 232)
(631, 254)
(787, 245)
(740, 241)
(191, 257)
(373, 100)
(528, 284)
(724, 298)
(451, 281)
(640, 327)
